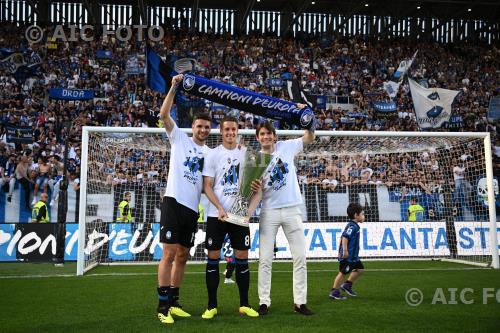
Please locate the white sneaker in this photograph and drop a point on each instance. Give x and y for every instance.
(34, 201)
(228, 281)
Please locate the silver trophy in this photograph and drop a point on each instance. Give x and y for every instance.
(255, 163)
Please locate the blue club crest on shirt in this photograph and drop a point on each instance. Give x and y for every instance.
(230, 177)
(194, 164)
(277, 175)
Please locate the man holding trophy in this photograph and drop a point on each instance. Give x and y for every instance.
(227, 190)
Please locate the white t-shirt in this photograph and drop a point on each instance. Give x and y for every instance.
(280, 184)
(223, 165)
(185, 179)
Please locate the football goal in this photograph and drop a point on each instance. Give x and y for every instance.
(426, 195)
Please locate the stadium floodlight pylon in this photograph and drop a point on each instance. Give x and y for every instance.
(449, 174)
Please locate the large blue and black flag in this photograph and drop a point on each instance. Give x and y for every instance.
(158, 73)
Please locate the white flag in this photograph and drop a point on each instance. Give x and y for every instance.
(404, 66)
(391, 88)
(401, 70)
(432, 106)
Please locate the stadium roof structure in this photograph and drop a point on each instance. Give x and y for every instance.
(440, 20)
(457, 9)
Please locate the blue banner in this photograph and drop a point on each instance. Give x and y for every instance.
(103, 54)
(356, 115)
(494, 109)
(19, 134)
(70, 94)
(159, 76)
(133, 67)
(241, 99)
(275, 82)
(320, 101)
(384, 109)
(455, 122)
(125, 242)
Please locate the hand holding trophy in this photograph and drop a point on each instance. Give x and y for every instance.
(255, 164)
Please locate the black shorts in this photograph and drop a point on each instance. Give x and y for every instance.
(345, 267)
(179, 224)
(217, 230)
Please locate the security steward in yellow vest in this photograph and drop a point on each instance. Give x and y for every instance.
(40, 211)
(124, 210)
(415, 211)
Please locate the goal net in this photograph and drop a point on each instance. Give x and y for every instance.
(426, 195)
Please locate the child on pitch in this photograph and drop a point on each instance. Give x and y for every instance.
(349, 254)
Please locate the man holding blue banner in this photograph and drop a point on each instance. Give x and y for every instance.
(179, 208)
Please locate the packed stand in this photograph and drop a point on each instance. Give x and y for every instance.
(351, 67)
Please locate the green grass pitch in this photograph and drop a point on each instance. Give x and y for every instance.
(123, 299)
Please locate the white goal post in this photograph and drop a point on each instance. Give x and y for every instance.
(449, 175)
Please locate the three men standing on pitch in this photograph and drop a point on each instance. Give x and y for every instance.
(221, 184)
(179, 210)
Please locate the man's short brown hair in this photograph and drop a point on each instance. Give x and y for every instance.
(202, 116)
(228, 119)
(267, 125)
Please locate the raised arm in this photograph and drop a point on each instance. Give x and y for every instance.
(166, 107)
(309, 136)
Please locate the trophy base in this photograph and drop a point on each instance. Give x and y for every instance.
(236, 219)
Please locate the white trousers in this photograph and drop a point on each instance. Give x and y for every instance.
(290, 220)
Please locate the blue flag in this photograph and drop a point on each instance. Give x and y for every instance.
(158, 73)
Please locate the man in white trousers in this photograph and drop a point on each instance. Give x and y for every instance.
(281, 200)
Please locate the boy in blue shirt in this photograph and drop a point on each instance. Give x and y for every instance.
(349, 254)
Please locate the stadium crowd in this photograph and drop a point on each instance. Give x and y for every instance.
(348, 67)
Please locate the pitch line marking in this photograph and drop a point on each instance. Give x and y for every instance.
(254, 271)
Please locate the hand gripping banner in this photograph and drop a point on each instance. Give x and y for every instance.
(159, 76)
(245, 100)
